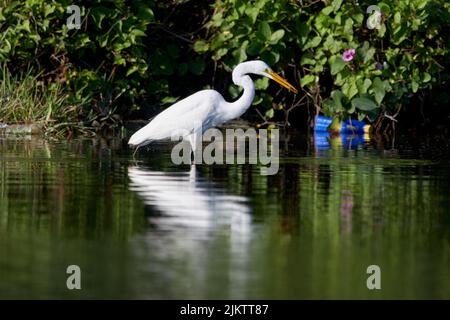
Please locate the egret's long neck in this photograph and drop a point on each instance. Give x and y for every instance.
(237, 108)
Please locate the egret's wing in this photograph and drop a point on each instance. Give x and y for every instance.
(183, 117)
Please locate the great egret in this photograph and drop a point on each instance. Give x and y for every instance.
(206, 108)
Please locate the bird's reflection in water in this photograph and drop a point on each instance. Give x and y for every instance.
(189, 204)
(198, 227)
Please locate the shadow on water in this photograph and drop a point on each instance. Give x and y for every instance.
(145, 228)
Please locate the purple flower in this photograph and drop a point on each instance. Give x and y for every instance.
(349, 55)
(379, 66)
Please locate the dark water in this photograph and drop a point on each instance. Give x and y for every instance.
(146, 228)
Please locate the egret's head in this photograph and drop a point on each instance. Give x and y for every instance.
(261, 68)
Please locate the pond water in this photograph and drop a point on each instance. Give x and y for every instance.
(143, 227)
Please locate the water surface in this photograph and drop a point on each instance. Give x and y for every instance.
(145, 228)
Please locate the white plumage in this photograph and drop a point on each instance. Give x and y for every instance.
(205, 109)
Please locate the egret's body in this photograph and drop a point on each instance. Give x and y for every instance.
(205, 109)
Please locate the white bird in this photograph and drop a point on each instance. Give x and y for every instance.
(207, 108)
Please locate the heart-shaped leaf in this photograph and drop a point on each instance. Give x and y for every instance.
(364, 104)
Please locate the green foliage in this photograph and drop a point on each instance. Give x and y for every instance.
(403, 52)
(96, 65)
(120, 59)
(133, 54)
(24, 98)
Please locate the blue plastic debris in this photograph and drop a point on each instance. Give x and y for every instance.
(348, 126)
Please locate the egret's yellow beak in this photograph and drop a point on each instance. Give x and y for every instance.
(283, 82)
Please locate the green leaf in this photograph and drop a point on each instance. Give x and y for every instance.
(138, 33)
(363, 86)
(269, 113)
(327, 10)
(337, 96)
(26, 26)
(98, 14)
(262, 83)
(382, 30)
(48, 9)
(302, 28)
(314, 42)
(254, 48)
(384, 8)
(414, 86)
(201, 46)
(217, 19)
(220, 53)
(369, 54)
(119, 60)
(336, 64)
(378, 89)
(131, 70)
(348, 26)
(349, 89)
(307, 59)
(364, 104)
(276, 36)
(264, 30)
(169, 100)
(252, 12)
(336, 4)
(400, 34)
(146, 13)
(307, 79)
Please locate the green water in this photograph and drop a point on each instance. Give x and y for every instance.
(145, 228)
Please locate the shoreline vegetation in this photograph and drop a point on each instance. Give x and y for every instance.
(131, 59)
